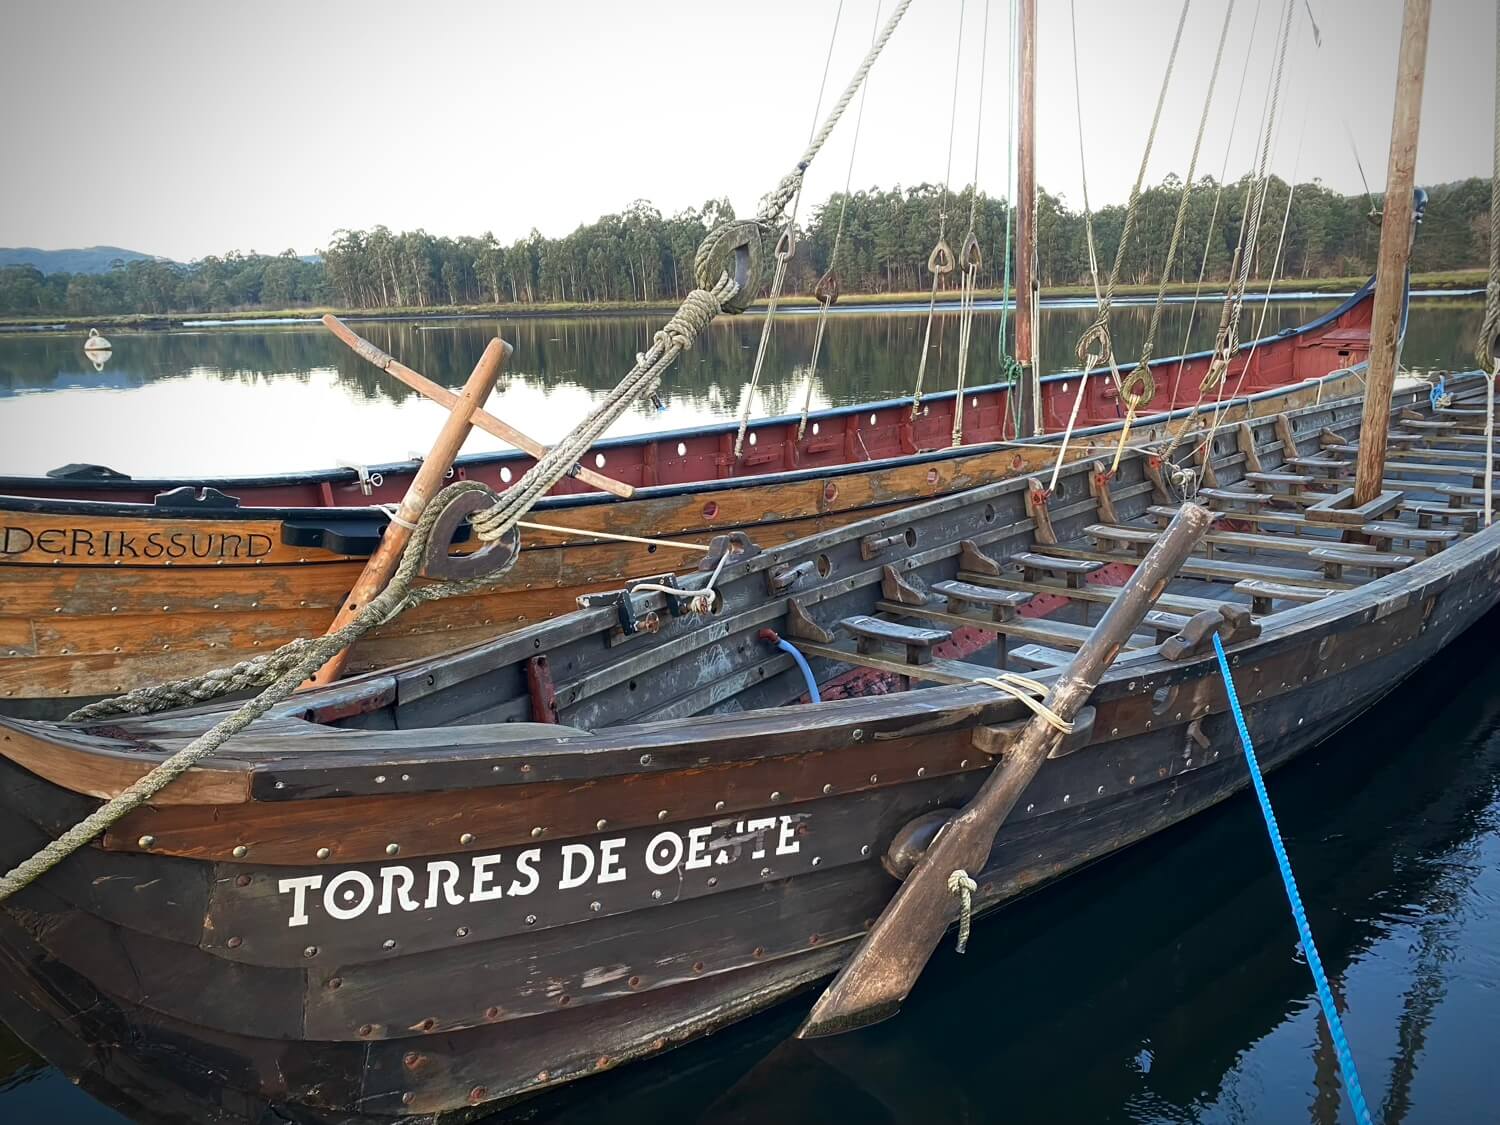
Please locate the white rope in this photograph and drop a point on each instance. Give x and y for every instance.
(970, 260)
(583, 533)
(700, 600)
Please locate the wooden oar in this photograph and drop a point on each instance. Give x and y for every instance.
(429, 479)
(482, 418)
(887, 963)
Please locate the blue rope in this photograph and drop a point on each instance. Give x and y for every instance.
(812, 684)
(1299, 915)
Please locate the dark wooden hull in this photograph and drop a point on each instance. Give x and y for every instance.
(178, 964)
(112, 585)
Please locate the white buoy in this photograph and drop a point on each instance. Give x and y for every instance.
(96, 342)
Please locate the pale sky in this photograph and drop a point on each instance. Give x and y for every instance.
(186, 129)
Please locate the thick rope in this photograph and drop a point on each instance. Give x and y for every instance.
(962, 884)
(1299, 913)
(791, 183)
(293, 663)
(1031, 693)
(827, 287)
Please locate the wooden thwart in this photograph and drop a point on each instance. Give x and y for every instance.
(883, 969)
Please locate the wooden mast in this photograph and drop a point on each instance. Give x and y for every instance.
(1395, 252)
(1028, 408)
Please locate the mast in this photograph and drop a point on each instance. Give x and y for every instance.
(1028, 408)
(1395, 251)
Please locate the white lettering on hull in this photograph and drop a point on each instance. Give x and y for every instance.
(349, 894)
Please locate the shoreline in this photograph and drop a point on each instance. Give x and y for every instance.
(1457, 282)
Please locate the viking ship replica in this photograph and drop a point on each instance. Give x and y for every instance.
(115, 583)
(473, 877)
(421, 893)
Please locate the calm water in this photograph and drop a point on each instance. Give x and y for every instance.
(273, 399)
(1161, 986)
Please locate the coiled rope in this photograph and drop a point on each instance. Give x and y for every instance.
(1299, 913)
(962, 884)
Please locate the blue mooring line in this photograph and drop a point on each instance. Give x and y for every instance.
(1299, 915)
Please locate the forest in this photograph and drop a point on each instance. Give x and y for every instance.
(642, 256)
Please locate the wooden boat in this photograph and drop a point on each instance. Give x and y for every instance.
(112, 583)
(419, 893)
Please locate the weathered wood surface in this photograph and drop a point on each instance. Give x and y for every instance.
(477, 1000)
(102, 600)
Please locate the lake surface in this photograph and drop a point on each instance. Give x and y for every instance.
(1158, 987)
(267, 399)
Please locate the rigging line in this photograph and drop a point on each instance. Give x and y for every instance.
(1007, 363)
(940, 261)
(1213, 217)
(827, 289)
(1141, 377)
(786, 246)
(1487, 349)
(1096, 336)
(970, 255)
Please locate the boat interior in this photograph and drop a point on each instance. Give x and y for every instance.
(1005, 578)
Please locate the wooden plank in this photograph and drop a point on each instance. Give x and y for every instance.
(1214, 569)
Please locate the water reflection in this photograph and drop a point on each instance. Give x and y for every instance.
(1165, 985)
(278, 398)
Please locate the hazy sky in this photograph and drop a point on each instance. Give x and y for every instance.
(186, 129)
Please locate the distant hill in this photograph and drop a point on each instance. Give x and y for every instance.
(90, 259)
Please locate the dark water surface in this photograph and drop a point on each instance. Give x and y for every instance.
(1163, 985)
(279, 398)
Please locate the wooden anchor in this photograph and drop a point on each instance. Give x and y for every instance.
(482, 418)
(874, 982)
(429, 478)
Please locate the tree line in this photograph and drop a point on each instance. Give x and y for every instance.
(883, 236)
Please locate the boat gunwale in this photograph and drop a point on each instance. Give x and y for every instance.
(500, 457)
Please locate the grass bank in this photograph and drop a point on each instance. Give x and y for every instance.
(1453, 279)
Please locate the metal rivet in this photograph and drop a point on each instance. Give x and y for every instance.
(240, 851)
(645, 759)
(466, 838)
(324, 853)
(864, 849)
(921, 771)
(380, 779)
(656, 894)
(662, 815)
(775, 795)
(146, 841)
(718, 806)
(462, 931)
(858, 735)
(963, 763)
(765, 872)
(531, 919)
(827, 789)
(816, 860)
(596, 906)
(601, 824)
(388, 943)
(310, 951)
(234, 943)
(537, 831)
(874, 777)
(713, 881)
(393, 849)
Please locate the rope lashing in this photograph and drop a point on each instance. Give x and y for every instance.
(701, 599)
(962, 884)
(1299, 914)
(1031, 693)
